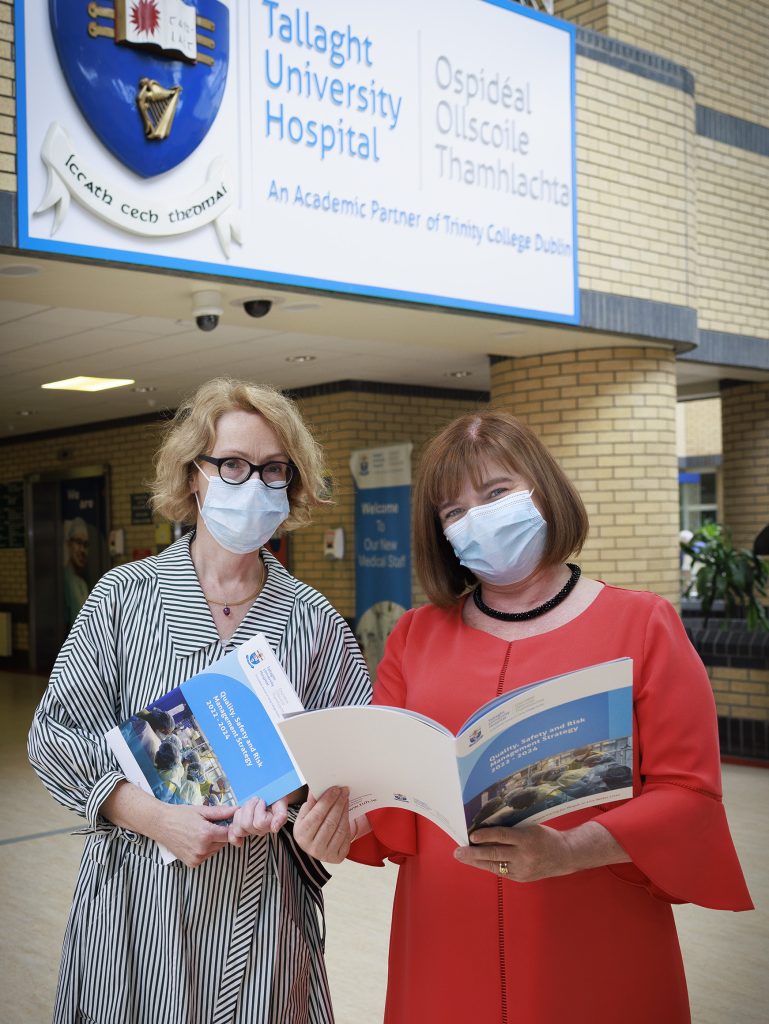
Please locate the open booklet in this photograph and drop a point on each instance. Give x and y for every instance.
(213, 739)
(546, 749)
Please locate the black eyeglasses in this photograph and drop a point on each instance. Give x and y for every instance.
(277, 475)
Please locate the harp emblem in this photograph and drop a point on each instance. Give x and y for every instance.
(148, 75)
(157, 107)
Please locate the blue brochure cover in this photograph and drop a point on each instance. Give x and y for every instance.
(214, 739)
(530, 754)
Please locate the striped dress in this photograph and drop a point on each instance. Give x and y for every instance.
(240, 938)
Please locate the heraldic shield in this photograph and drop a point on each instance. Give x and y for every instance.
(148, 75)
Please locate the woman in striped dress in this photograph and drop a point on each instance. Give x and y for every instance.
(232, 931)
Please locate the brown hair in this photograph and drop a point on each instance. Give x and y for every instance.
(459, 452)
(192, 432)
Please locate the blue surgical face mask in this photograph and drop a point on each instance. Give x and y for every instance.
(501, 542)
(242, 517)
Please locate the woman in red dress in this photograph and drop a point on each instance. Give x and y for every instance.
(570, 920)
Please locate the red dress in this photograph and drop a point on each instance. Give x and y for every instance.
(468, 947)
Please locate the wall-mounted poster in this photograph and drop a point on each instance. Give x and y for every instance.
(433, 144)
(84, 534)
(382, 544)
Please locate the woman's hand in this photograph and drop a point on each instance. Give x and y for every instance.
(192, 833)
(322, 827)
(527, 854)
(255, 818)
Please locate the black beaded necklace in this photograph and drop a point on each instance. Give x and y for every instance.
(533, 613)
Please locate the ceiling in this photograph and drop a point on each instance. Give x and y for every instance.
(61, 319)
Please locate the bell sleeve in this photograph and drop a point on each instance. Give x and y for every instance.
(675, 829)
(66, 743)
(393, 833)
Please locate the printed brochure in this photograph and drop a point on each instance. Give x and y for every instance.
(213, 740)
(555, 746)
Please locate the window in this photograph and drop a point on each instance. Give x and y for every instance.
(698, 502)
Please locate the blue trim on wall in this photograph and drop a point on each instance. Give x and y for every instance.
(724, 349)
(621, 314)
(733, 131)
(633, 59)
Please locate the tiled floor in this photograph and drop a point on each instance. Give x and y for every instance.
(727, 955)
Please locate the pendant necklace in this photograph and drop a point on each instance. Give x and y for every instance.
(533, 613)
(227, 606)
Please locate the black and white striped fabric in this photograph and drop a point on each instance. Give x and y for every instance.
(239, 939)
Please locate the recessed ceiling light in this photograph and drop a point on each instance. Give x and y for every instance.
(458, 374)
(143, 389)
(300, 307)
(299, 359)
(19, 270)
(86, 384)
(26, 412)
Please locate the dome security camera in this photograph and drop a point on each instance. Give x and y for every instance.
(257, 307)
(207, 308)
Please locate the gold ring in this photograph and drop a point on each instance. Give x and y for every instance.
(503, 868)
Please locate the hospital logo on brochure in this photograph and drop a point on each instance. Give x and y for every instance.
(474, 736)
(254, 658)
(149, 77)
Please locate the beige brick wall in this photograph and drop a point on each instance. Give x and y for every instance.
(636, 205)
(342, 423)
(741, 692)
(745, 411)
(699, 428)
(592, 14)
(608, 415)
(732, 241)
(724, 45)
(7, 99)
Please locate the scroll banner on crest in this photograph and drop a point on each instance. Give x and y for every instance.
(69, 174)
(382, 543)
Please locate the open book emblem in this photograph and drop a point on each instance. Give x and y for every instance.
(148, 75)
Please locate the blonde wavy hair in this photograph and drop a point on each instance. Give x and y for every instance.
(192, 433)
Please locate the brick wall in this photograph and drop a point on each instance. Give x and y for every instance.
(592, 14)
(608, 416)
(7, 99)
(724, 45)
(700, 427)
(731, 239)
(741, 692)
(342, 423)
(745, 410)
(635, 201)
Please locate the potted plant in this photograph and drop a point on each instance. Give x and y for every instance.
(721, 572)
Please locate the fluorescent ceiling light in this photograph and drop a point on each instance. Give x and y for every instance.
(86, 384)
